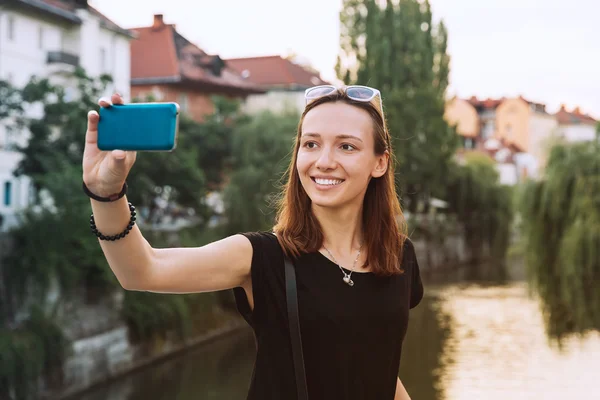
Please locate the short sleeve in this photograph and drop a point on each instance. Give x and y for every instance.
(265, 252)
(416, 285)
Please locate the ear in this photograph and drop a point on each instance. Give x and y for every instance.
(381, 165)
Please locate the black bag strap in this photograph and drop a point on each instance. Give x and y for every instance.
(292, 306)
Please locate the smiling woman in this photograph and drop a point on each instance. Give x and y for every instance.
(327, 159)
(340, 222)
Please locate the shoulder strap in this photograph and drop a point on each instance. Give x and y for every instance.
(292, 306)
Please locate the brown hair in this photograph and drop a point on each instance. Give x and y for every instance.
(297, 228)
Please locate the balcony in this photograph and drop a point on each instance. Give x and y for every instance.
(60, 57)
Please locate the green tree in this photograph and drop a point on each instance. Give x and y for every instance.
(561, 232)
(11, 103)
(397, 48)
(484, 209)
(198, 164)
(53, 242)
(261, 151)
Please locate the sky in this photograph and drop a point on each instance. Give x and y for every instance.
(548, 51)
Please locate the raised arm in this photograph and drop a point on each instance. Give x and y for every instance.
(136, 264)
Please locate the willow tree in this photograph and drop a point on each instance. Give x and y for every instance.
(562, 238)
(484, 209)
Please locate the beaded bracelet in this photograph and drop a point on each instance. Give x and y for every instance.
(117, 236)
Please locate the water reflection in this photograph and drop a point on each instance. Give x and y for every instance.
(421, 364)
(499, 349)
(465, 342)
(217, 371)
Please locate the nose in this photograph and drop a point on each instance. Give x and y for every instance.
(326, 160)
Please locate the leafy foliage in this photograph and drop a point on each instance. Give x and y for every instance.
(561, 225)
(261, 150)
(397, 49)
(150, 313)
(37, 347)
(484, 207)
(53, 242)
(195, 167)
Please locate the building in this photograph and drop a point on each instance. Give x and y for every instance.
(284, 80)
(525, 124)
(486, 110)
(574, 126)
(475, 120)
(50, 38)
(502, 128)
(167, 67)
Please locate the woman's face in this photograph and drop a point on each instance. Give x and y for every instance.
(336, 159)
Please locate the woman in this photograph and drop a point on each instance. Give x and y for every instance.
(340, 221)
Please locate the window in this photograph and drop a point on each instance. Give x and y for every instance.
(7, 193)
(102, 60)
(488, 130)
(11, 28)
(41, 37)
(183, 101)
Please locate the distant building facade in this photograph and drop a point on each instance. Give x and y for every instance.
(50, 38)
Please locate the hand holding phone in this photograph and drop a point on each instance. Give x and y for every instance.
(104, 172)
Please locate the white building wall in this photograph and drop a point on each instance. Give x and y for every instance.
(275, 101)
(25, 40)
(542, 134)
(577, 133)
(508, 174)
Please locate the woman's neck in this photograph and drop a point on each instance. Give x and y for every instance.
(342, 228)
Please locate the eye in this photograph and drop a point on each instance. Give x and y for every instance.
(348, 147)
(310, 145)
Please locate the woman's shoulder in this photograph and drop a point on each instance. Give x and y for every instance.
(408, 247)
(409, 256)
(265, 236)
(264, 243)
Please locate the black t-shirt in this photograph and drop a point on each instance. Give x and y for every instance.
(351, 336)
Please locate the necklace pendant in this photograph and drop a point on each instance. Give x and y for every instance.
(348, 280)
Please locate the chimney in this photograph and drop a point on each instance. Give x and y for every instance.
(577, 111)
(158, 21)
(563, 107)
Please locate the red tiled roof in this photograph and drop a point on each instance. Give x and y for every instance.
(565, 117)
(485, 104)
(538, 107)
(275, 71)
(162, 55)
(153, 54)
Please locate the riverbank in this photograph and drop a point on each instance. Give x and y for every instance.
(167, 351)
(465, 341)
(104, 348)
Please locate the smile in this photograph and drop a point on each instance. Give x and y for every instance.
(327, 182)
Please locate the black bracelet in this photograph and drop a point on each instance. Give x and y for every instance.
(112, 197)
(118, 236)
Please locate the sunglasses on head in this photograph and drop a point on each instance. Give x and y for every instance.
(354, 92)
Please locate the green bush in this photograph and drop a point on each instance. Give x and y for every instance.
(37, 347)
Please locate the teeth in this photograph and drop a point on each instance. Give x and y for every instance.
(328, 181)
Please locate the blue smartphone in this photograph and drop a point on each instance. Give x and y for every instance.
(139, 127)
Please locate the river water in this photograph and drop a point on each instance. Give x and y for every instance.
(465, 342)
